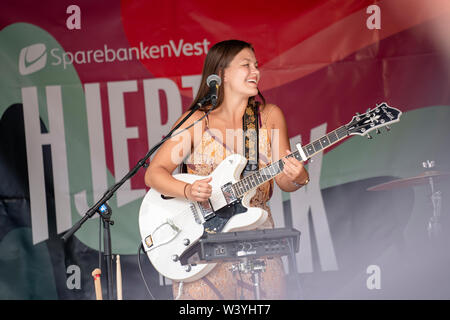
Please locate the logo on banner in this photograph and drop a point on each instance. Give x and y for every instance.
(32, 59)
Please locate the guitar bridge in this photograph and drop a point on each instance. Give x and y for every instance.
(195, 213)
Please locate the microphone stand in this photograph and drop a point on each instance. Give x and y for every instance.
(104, 210)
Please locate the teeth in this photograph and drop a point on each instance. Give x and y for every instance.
(251, 80)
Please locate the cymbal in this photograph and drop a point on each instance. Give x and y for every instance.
(413, 181)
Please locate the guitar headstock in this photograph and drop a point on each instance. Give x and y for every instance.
(381, 116)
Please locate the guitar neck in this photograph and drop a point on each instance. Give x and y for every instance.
(263, 175)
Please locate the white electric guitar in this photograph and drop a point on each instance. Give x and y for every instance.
(169, 226)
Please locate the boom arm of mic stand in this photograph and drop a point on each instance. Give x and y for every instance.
(110, 192)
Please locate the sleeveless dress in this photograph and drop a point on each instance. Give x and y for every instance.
(221, 282)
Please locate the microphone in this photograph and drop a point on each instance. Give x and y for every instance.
(213, 81)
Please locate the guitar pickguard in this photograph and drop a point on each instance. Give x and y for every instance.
(222, 216)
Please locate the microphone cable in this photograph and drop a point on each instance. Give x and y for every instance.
(141, 247)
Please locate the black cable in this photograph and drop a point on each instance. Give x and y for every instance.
(141, 247)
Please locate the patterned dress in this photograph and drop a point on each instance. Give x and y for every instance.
(221, 282)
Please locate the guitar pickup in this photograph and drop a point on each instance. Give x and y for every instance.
(228, 193)
(206, 209)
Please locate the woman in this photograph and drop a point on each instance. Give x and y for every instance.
(235, 62)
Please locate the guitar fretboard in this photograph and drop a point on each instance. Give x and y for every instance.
(269, 172)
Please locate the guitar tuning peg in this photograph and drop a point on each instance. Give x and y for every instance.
(368, 110)
(369, 136)
(378, 131)
(388, 128)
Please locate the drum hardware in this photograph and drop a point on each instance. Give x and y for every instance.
(434, 228)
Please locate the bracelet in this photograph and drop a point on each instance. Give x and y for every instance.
(301, 185)
(184, 191)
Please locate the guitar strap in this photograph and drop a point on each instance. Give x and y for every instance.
(250, 126)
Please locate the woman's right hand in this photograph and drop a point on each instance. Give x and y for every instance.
(199, 190)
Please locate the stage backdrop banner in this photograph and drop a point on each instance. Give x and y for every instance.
(88, 87)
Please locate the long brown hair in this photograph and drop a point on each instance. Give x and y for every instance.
(218, 58)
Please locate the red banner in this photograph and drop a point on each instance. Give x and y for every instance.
(87, 88)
